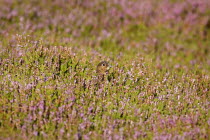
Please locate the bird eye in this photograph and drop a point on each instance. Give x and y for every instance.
(103, 64)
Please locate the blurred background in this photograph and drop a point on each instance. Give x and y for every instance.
(178, 27)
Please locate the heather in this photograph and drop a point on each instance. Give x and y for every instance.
(157, 87)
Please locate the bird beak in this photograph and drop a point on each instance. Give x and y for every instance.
(109, 67)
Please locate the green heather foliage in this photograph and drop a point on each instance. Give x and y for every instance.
(157, 87)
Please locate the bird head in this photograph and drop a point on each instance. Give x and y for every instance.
(103, 68)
